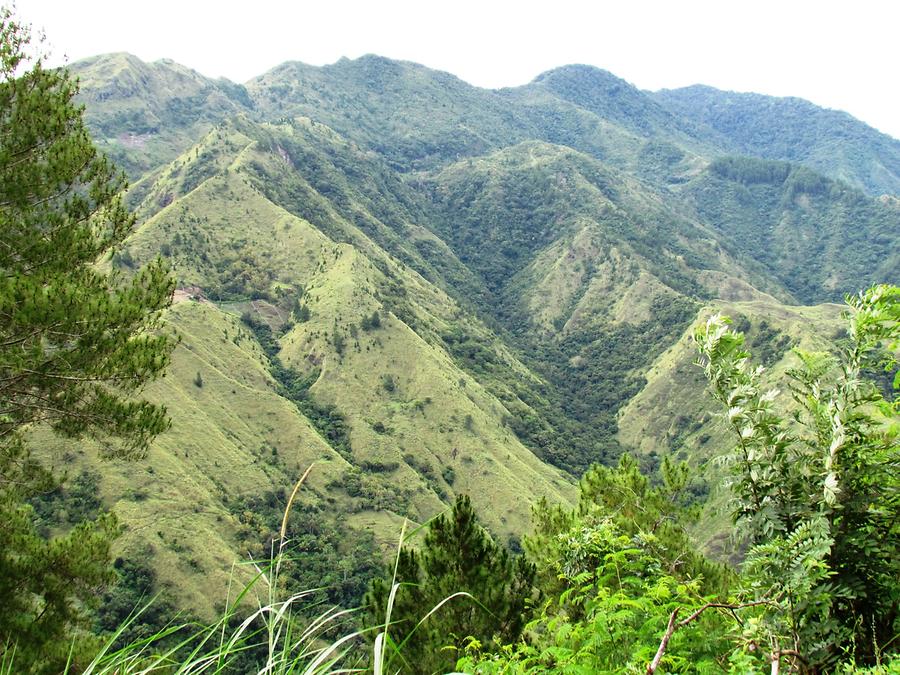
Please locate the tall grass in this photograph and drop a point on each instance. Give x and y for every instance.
(275, 635)
(257, 626)
(256, 620)
(275, 627)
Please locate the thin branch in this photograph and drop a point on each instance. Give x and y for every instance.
(673, 626)
(287, 510)
(670, 631)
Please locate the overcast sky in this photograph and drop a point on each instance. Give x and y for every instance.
(837, 54)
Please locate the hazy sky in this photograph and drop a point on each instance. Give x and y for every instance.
(837, 54)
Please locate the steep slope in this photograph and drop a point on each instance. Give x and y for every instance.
(820, 238)
(144, 115)
(231, 242)
(589, 271)
(319, 347)
(792, 129)
(233, 439)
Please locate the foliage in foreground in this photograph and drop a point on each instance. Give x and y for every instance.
(816, 497)
(482, 591)
(614, 569)
(75, 344)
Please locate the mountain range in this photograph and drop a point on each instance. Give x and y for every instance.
(423, 288)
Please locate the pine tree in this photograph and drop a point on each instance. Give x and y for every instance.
(76, 343)
(457, 557)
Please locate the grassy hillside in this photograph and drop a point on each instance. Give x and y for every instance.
(233, 439)
(430, 289)
(394, 423)
(828, 141)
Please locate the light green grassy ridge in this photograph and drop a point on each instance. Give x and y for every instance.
(441, 431)
(233, 436)
(145, 114)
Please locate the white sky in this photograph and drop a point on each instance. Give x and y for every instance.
(841, 55)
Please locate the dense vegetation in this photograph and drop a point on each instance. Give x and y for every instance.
(791, 129)
(786, 216)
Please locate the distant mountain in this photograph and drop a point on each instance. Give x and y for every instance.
(143, 115)
(819, 237)
(615, 100)
(792, 129)
(415, 117)
(421, 119)
(418, 118)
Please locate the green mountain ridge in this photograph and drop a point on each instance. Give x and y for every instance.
(419, 427)
(818, 236)
(792, 129)
(612, 98)
(418, 118)
(144, 114)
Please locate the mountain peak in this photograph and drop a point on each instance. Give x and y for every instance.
(584, 74)
(612, 98)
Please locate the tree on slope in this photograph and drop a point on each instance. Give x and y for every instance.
(76, 343)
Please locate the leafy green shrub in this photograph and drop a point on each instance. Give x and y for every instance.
(818, 494)
(371, 322)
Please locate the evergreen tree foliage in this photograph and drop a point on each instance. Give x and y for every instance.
(75, 342)
(457, 557)
(73, 338)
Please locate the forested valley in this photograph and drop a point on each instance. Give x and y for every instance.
(361, 368)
